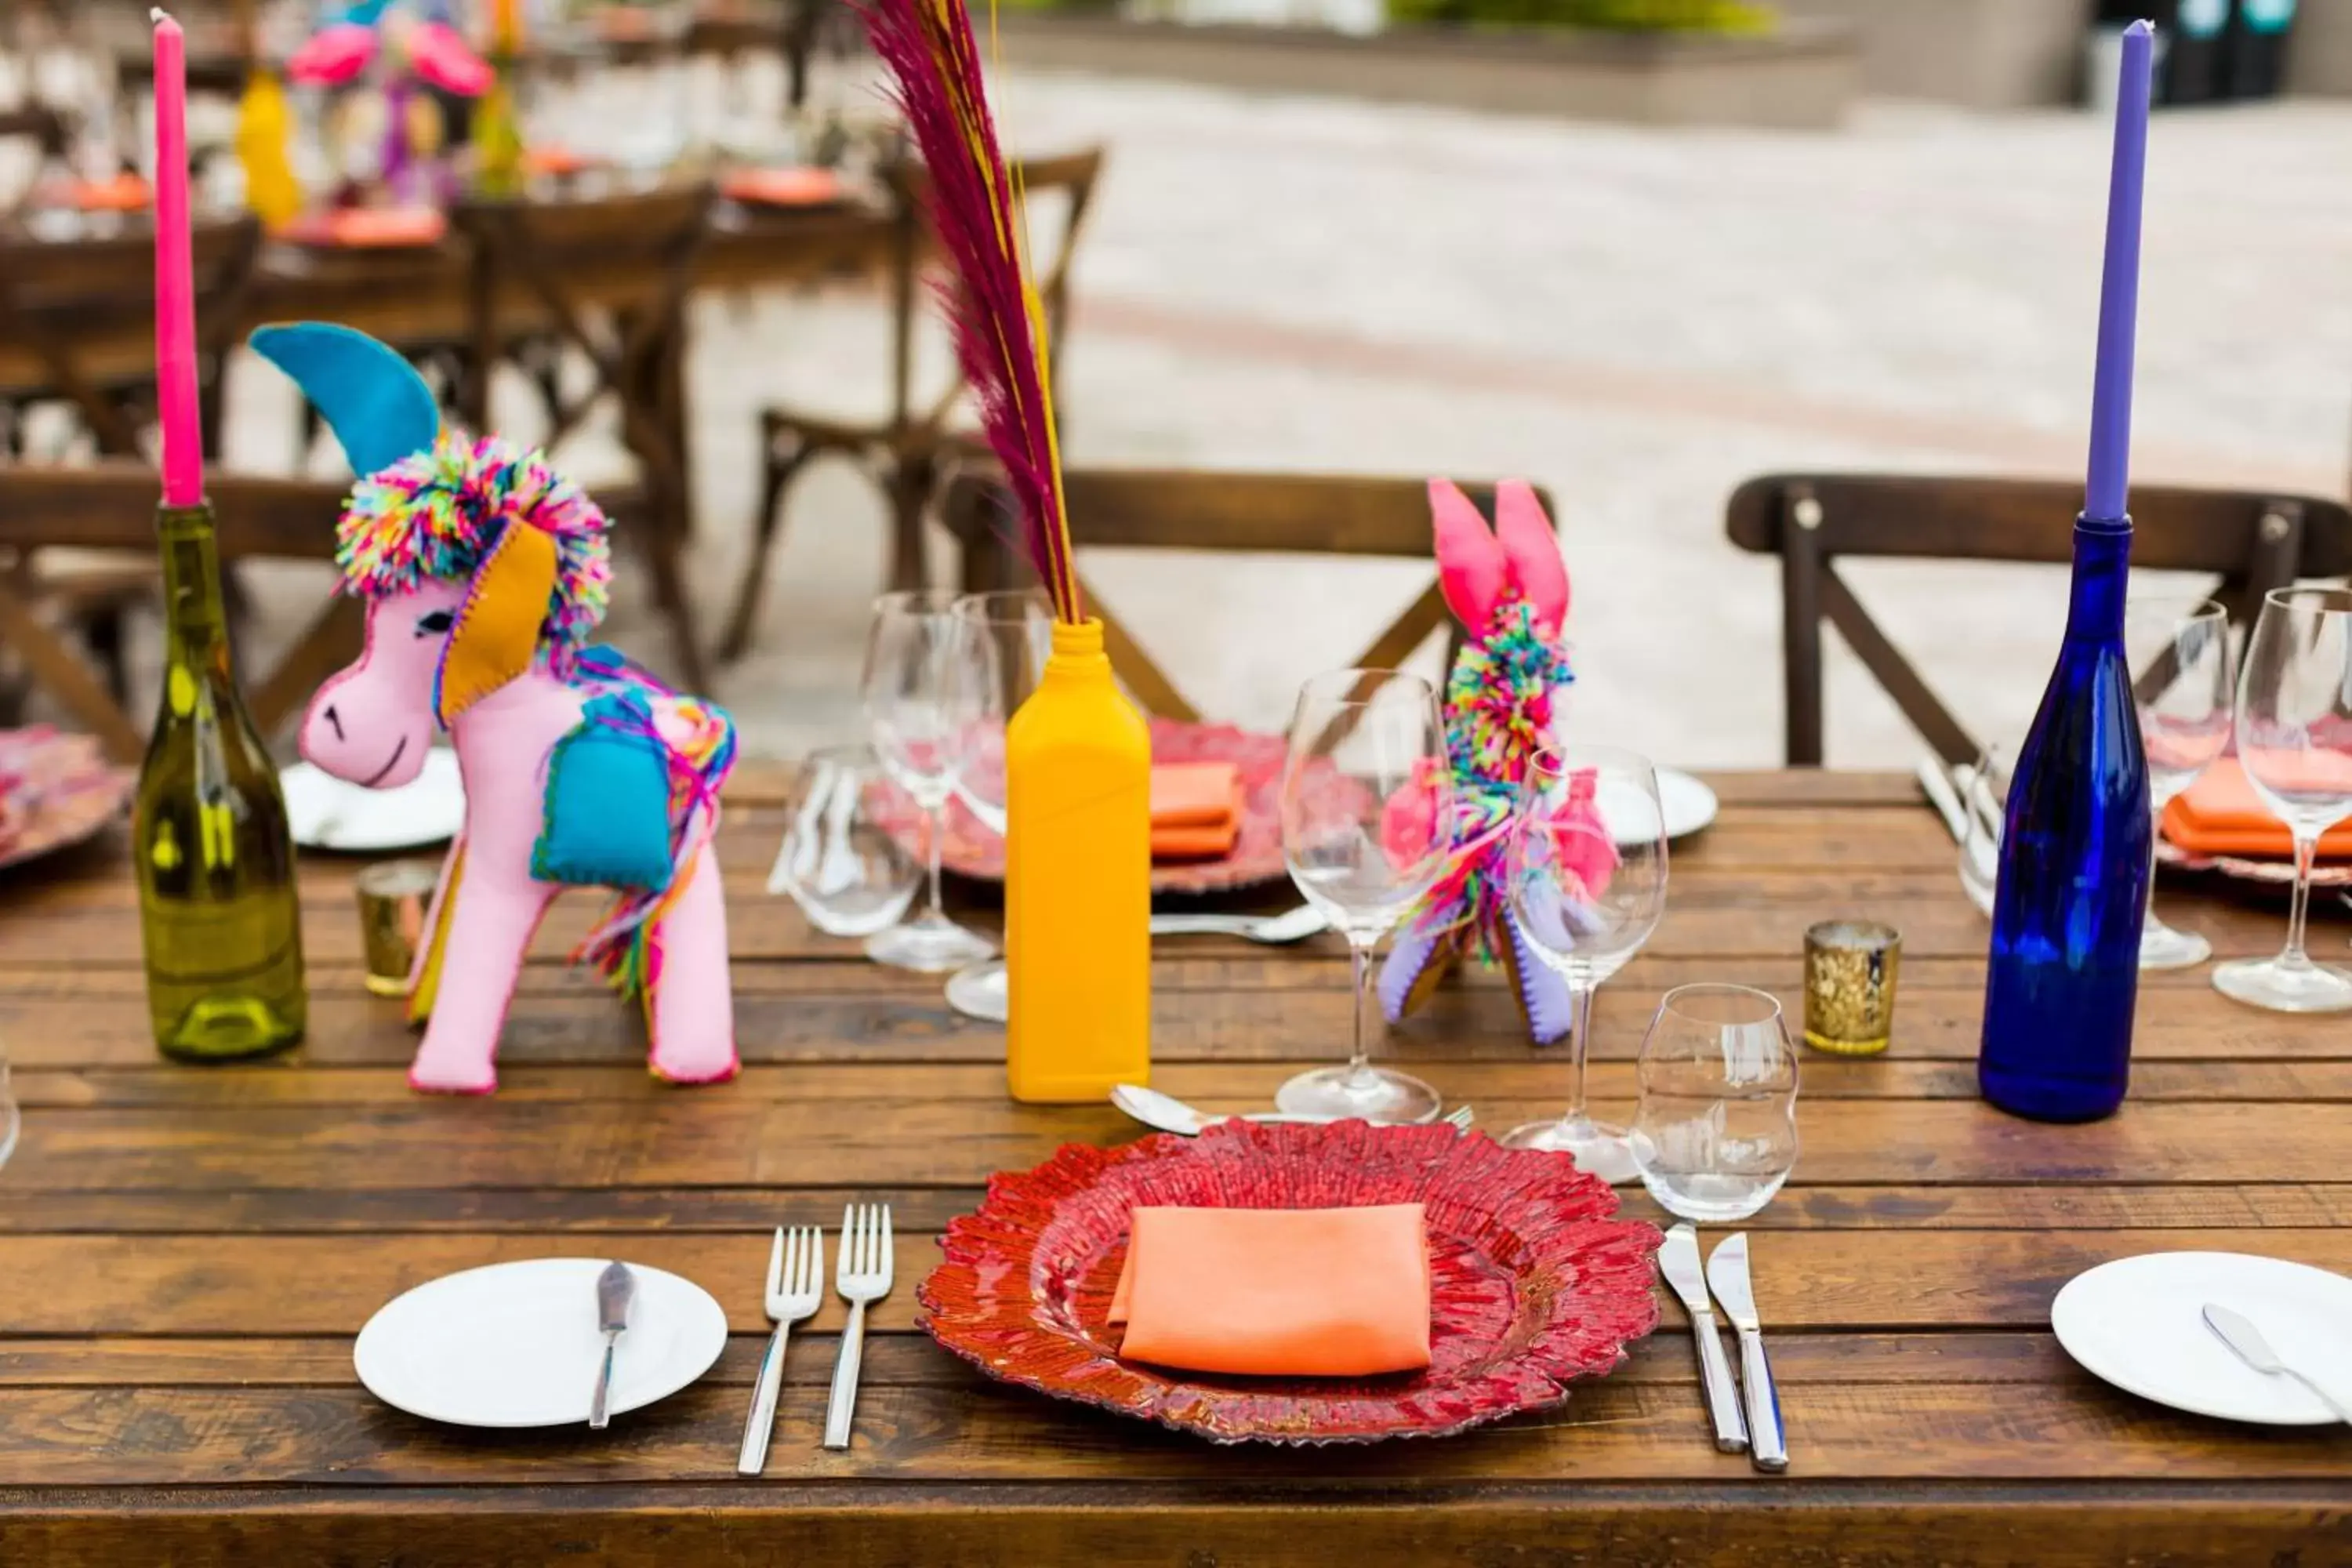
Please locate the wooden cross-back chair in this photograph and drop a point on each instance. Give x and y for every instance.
(2252, 541)
(1300, 514)
(112, 507)
(910, 452)
(77, 323)
(529, 258)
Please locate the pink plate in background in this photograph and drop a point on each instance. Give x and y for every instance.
(973, 851)
(56, 790)
(1534, 1281)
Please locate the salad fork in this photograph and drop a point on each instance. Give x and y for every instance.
(796, 1290)
(863, 1278)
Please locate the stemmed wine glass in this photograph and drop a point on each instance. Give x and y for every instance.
(1365, 801)
(2179, 651)
(2294, 740)
(916, 709)
(1588, 884)
(1003, 641)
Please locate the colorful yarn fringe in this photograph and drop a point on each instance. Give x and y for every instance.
(1498, 713)
(626, 945)
(437, 514)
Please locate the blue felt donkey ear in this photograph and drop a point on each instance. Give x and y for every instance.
(381, 409)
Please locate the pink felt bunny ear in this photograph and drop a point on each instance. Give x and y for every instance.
(334, 55)
(1471, 568)
(442, 58)
(1532, 549)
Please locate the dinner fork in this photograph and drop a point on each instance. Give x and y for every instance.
(796, 1290)
(862, 1276)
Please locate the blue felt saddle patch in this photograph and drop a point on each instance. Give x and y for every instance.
(607, 810)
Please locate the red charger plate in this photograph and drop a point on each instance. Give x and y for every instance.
(1535, 1283)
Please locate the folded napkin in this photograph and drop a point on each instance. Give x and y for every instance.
(1196, 810)
(2221, 814)
(123, 193)
(785, 187)
(1277, 1292)
(369, 229)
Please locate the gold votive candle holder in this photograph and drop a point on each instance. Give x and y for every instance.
(393, 897)
(1850, 969)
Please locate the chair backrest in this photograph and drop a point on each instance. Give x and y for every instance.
(530, 257)
(77, 316)
(2252, 541)
(1068, 180)
(1304, 514)
(112, 506)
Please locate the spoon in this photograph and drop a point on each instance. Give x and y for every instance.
(2242, 1337)
(1274, 930)
(1170, 1114)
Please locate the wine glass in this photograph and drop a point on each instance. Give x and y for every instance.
(841, 865)
(1365, 796)
(1588, 884)
(2294, 741)
(1715, 1133)
(917, 708)
(2178, 648)
(1005, 642)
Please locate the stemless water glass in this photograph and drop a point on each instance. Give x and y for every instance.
(1004, 641)
(1588, 884)
(839, 864)
(1365, 801)
(9, 1120)
(915, 712)
(2294, 740)
(2178, 650)
(1715, 1133)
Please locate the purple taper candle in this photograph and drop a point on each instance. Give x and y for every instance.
(2111, 387)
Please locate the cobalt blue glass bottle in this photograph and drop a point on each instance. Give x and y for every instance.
(2064, 970)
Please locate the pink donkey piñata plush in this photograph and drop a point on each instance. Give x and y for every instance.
(483, 573)
(1510, 588)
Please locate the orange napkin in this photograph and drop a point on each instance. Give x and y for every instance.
(369, 229)
(1196, 810)
(125, 193)
(790, 187)
(1277, 1292)
(2221, 814)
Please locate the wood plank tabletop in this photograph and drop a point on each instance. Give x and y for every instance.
(187, 1253)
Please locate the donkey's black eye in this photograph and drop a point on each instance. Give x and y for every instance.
(434, 624)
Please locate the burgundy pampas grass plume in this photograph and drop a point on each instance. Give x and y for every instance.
(933, 59)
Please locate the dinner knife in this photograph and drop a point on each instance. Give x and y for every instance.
(615, 1289)
(1727, 1270)
(1678, 1261)
(2241, 1336)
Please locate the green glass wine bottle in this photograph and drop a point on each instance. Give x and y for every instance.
(217, 909)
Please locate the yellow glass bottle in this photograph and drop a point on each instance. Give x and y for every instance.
(1077, 881)
(218, 918)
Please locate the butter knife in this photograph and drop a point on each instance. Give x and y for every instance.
(615, 1289)
(1678, 1261)
(1727, 1270)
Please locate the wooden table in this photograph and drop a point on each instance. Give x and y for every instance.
(185, 1255)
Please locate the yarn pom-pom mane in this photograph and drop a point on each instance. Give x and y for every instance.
(437, 513)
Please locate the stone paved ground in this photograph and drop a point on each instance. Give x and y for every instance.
(1637, 319)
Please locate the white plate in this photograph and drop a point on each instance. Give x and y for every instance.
(2138, 1323)
(328, 813)
(516, 1344)
(1686, 803)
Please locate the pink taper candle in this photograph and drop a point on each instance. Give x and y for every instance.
(175, 284)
